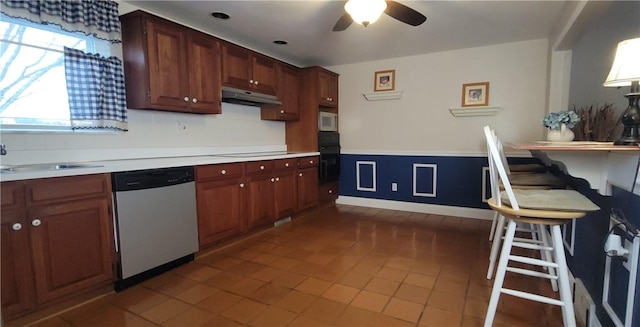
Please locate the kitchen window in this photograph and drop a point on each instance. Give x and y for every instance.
(43, 67)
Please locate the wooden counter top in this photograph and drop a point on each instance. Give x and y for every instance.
(571, 146)
(602, 164)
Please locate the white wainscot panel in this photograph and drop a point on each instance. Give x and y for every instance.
(359, 177)
(434, 172)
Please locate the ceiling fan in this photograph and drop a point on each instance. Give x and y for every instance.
(365, 12)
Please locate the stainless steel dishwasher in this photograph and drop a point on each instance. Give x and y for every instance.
(155, 222)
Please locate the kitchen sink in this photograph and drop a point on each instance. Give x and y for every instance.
(44, 167)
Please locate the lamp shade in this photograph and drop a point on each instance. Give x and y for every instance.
(626, 65)
(365, 12)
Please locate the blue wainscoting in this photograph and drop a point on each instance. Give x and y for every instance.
(460, 181)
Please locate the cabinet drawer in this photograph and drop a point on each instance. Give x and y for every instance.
(290, 163)
(66, 188)
(309, 162)
(219, 171)
(254, 167)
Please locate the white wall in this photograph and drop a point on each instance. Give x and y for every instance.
(420, 121)
(151, 134)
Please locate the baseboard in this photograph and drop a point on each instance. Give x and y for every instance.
(417, 207)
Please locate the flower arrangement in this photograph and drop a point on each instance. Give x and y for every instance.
(554, 120)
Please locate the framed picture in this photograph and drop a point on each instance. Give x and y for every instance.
(384, 80)
(475, 94)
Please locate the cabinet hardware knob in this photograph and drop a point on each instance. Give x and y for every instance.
(194, 100)
(241, 185)
(256, 82)
(281, 111)
(16, 226)
(286, 164)
(223, 172)
(261, 167)
(186, 99)
(277, 179)
(330, 191)
(273, 180)
(310, 161)
(250, 81)
(36, 222)
(300, 174)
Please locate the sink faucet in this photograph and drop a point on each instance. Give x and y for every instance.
(3, 150)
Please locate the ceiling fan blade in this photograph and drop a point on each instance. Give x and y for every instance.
(343, 22)
(404, 13)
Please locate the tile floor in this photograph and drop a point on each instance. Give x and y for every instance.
(333, 266)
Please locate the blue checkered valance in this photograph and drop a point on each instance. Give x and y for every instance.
(98, 18)
(96, 91)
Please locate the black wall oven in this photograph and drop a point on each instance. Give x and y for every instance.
(329, 147)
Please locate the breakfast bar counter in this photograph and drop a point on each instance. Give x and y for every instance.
(601, 164)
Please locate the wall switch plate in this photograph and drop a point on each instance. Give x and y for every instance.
(394, 187)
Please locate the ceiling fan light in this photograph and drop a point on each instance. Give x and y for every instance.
(365, 12)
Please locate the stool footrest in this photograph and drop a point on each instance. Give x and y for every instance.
(530, 246)
(533, 261)
(533, 297)
(531, 273)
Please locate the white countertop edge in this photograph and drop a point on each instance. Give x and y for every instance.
(111, 166)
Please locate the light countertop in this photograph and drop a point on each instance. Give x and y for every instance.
(110, 166)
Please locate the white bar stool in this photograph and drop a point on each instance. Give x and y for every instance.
(542, 209)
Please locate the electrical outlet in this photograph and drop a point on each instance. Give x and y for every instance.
(394, 187)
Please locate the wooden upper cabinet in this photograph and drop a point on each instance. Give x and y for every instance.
(168, 66)
(288, 88)
(204, 73)
(247, 70)
(328, 88)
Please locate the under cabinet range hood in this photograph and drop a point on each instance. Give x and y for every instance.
(249, 98)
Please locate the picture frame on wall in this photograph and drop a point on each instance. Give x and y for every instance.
(475, 94)
(384, 80)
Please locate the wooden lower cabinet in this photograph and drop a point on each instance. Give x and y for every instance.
(237, 197)
(220, 192)
(285, 192)
(328, 192)
(57, 243)
(261, 200)
(307, 183)
(18, 296)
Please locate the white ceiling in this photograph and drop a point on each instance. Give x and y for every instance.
(306, 25)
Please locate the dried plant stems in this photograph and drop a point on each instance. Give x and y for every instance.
(596, 124)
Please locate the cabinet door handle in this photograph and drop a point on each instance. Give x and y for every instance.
(273, 180)
(241, 185)
(36, 222)
(261, 167)
(223, 172)
(186, 99)
(194, 100)
(300, 174)
(16, 226)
